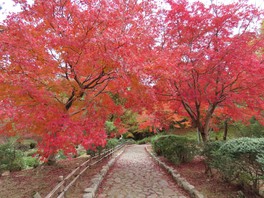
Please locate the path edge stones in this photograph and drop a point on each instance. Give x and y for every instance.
(193, 192)
(91, 191)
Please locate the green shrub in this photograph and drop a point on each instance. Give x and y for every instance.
(254, 129)
(240, 161)
(10, 158)
(154, 138)
(31, 162)
(177, 149)
(93, 152)
(111, 143)
(60, 155)
(209, 150)
(30, 152)
(144, 141)
(130, 141)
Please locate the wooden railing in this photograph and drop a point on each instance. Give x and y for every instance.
(64, 184)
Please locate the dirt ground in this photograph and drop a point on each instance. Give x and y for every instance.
(211, 187)
(24, 184)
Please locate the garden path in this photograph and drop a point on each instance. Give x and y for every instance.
(136, 175)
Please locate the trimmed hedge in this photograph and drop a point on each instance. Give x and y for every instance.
(240, 160)
(177, 149)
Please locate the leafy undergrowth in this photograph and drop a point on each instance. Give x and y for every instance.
(211, 187)
(24, 184)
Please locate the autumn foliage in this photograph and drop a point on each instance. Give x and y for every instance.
(62, 61)
(212, 60)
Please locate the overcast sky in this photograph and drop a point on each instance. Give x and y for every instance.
(8, 5)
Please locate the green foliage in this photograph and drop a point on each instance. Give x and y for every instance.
(111, 143)
(254, 129)
(154, 138)
(130, 141)
(238, 160)
(31, 162)
(243, 145)
(177, 149)
(210, 148)
(110, 127)
(10, 158)
(129, 119)
(61, 155)
(93, 152)
(30, 152)
(145, 140)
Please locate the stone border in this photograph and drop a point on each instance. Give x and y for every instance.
(194, 193)
(91, 191)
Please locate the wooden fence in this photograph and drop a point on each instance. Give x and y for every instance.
(64, 184)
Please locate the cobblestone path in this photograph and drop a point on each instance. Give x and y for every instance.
(136, 175)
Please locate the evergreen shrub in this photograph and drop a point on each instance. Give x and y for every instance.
(111, 143)
(10, 158)
(240, 160)
(177, 149)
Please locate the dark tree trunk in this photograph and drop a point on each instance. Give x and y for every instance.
(51, 160)
(225, 130)
(205, 135)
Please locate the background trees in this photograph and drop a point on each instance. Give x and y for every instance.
(212, 62)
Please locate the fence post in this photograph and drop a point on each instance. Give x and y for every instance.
(79, 170)
(61, 179)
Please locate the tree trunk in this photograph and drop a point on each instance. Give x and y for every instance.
(51, 160)
(198, 135)
(225, 130)
(206, 127)
(205, 135)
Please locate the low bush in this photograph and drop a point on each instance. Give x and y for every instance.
(254, 129)
(111, 143)
(145, 140)
(60, 155)
(31, 152)
(31, 162)
(130, 141)
(10, 158)
(93, 152)
(208, 152)
(177, 149)
(239, 160)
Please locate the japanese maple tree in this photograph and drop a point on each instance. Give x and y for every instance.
(60, 59)
(209, 60)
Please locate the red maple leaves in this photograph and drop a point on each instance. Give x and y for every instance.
(62, 62)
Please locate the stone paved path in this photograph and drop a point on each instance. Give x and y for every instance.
(136, 175)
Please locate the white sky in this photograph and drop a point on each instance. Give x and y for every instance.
(8, 5)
